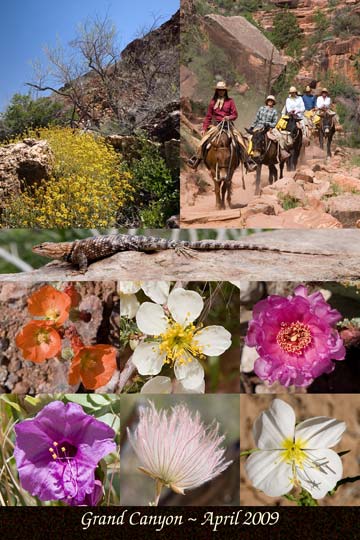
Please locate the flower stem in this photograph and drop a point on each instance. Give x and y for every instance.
(247, 452)
(158, 487)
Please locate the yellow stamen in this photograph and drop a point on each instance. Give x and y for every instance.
(179, 343)
(54, 456)
(294, 452)
(55, 443)
(63, 449)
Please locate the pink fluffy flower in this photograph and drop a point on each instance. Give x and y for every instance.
(295, 338)
(177, 449)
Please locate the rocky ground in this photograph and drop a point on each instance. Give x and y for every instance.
(321, 193)
(20, 376)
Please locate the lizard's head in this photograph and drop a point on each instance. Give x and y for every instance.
(52, 250)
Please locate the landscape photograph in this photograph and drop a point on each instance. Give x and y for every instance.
(284, 77)
(89, 116)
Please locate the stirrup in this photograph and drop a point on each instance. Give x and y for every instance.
(193, 162)
(250, 165)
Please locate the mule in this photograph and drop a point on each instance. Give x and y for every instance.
(297, 138)
(326, 131)
(221, 159)
(265, 152)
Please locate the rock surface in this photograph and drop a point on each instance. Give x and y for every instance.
(23, 164)
(327, 255)
(251, 51)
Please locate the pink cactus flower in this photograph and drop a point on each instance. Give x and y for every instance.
(295, 338)
(176, 449)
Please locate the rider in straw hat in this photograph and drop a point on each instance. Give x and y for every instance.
(221, 108)
(324, 100)
(266, 115)
(294, 103)
(309, 99)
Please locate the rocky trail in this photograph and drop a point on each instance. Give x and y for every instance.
(321, 193)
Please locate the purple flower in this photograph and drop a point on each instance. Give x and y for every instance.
(58, 451)
(295, 338)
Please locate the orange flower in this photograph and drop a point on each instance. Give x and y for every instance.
(38, 341)
(75, 296)
(94, 365)
(50, 303)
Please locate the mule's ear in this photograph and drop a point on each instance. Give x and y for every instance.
(250, 130)
(266, 127)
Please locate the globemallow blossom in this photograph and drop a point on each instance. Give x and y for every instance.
(295, 338)
(294, 455)
(58, 451)
(176, 449)
(175, 339)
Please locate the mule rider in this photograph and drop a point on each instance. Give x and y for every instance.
(267, 117)
(309, 99)
(221, 108)
(294, 104)
(323, 103)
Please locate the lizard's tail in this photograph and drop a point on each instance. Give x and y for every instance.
(205, 245)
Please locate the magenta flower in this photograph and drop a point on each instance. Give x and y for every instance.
(295, 338)
(58, 451)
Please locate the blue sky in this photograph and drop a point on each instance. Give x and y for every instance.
(27, 25)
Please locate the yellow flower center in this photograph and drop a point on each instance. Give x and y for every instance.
(52, 314)
(179, 343)
(294, 337)
(42, 336)
(294, 452)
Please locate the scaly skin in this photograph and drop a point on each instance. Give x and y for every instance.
(81, 253)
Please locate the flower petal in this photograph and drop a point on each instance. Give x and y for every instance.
(129, 305)
(323, 475)
(129, 287)
(151, 319)
(269, 473)
(274, 425)
(320, 432)
(180, 389)
(157, 385)
(147, 358)
(191, 374)
(158, 291)
(214, 340)
(184, 306)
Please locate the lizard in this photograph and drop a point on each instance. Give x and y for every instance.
(81, 253)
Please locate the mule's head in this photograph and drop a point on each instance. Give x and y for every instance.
(292, 126)
(259, 142)
(219, 157)
(327, 121)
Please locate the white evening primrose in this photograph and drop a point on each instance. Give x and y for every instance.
(172, 338)
(291, 455)
(157, 291)
(164, 385)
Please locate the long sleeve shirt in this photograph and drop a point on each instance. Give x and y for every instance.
(265, 115)
(295, 105)
(322, 102)
(228, 109)
(309, 102)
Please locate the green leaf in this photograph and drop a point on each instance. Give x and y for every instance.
(10, 402)
(111, 420)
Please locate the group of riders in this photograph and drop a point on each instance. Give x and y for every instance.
(306, 108)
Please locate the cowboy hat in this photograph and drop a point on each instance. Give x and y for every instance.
(308, 89)
(324, 90)
(272, 98)
(292, 90)
(221, 85)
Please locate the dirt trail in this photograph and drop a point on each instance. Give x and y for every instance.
(204, 213)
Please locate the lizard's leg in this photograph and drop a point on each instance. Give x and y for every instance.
(80, 259)
(186, 252)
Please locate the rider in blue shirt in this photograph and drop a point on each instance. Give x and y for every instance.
(308, 99)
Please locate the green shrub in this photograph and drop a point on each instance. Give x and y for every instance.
(156, 193)
(25, 113)
(339, 85)
(346, 22)
(285, 29)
